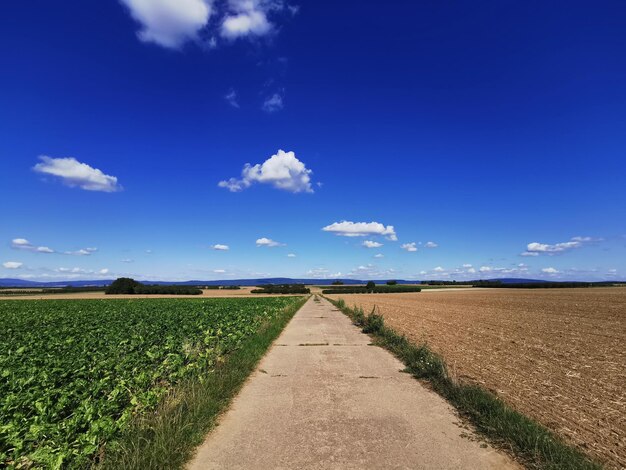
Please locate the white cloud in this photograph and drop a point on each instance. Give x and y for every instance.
(471, 270)
(219, 271)
(361, 229)
(282, 171)
(439, 269)
(273, 103)
(371, 244)
(103, 271)
(12, 264)
(535, 248)
(379, 255)
(231, 98)
(249, 18)
(128, 260)
(291, 255)
(220, 247)
(485, 269)
(409, 246)
(76, 174)
(549, 270)
(467, 265)
(431, 245)
(268, 242)
(81, 252)
(253, 22)
(170, 23)
(23, 244)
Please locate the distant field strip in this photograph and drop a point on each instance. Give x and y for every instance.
(76, 373)
(557, 356)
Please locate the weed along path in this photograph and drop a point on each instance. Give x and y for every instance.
(324, 397)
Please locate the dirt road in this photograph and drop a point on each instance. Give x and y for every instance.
(323, 397)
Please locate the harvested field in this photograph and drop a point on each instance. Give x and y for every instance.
(555, 355)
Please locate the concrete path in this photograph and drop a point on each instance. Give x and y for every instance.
(323, 397)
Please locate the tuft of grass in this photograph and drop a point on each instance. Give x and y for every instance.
(534, 444)
(167, 438)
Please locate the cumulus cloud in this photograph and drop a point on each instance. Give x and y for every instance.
(273, 103)
(379, 255)
(12, 264)
(249, 18)
(220, 247)
(76, 174)
(485, 269)
(536, 248)
(170, 23)
(103, 271)
(439, 269)
(253, 22)
(371, 244)
(346, 228)
(282, 171)
(549, 270)
(467, 265)
(430, 245)
(471, 270)
(23, 244)
(291, 255)
(268, 242)
(231, 98)
(409, 246)
(219, 271)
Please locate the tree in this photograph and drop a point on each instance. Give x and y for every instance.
(392, 283)
(122, 285)
(337, 283)
(370, 285)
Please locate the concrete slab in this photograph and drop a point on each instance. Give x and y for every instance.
(325, 398)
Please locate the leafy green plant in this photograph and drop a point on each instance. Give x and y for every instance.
(75, 373)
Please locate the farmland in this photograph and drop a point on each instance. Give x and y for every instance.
(75, 374)
(555, 355)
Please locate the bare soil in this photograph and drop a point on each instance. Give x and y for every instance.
(557, 355)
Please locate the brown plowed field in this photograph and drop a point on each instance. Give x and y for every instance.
(557, 355)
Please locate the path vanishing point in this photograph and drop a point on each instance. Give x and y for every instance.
(324, 397)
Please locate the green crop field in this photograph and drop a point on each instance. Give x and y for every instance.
(74, 373)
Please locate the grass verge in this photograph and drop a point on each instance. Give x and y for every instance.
(166, 438)
(535, 445)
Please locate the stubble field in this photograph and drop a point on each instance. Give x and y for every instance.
(557, 355)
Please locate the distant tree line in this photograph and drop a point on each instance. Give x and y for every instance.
(219, 287)
(71, 289)
(126, 285)
(392, 287)
(282, 289)
(540, 285)
(447, 283)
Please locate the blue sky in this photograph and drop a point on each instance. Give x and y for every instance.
(496, 132)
